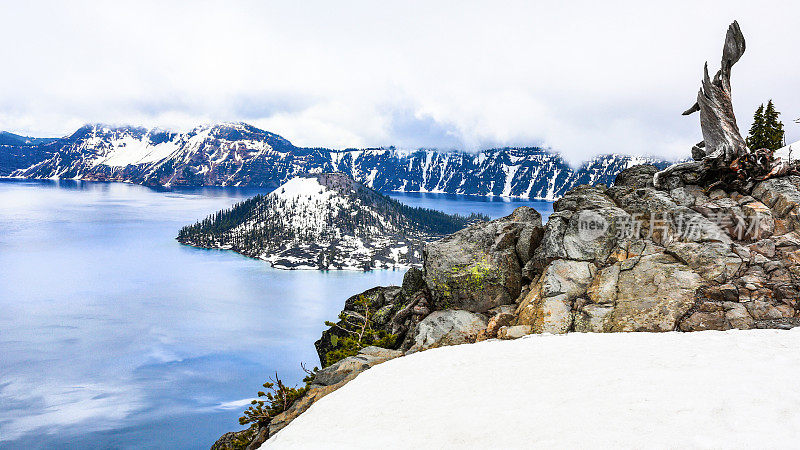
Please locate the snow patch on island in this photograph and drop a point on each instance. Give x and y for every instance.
(307, 187)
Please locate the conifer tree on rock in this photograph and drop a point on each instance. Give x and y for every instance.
(773, 127)
(766, 131)
(757, 137)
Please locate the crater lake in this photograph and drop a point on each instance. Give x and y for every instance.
(113, 335)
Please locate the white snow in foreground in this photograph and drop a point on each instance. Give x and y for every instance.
(784, 152)
(734, 389)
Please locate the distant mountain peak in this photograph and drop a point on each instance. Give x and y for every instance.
(239, 154)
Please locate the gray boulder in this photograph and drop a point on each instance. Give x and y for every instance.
(592, 318)
(479, 267)
(548, 306)
(715, 261)
(635, 177)
(451, 327)
(585, 234)
(366, 358)
(779, 194)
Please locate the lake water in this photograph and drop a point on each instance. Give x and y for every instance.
(113, 335)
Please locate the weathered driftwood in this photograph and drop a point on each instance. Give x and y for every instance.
(722, 142)
(717, 119)
(398, 321)
(723, 155)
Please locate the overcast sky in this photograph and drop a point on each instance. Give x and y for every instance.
(581, 77)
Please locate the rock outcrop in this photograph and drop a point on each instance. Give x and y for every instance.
(679, 259)
(392, 310)
(631, 257)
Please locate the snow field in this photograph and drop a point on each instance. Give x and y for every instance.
(734, 389)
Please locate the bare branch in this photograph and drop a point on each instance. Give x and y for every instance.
(354, 333)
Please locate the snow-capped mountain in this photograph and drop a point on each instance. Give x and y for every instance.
(237, 154)
(324, 221)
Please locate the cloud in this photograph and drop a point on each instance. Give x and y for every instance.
(95, 406)
(581, 77)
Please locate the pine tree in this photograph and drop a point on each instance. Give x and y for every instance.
(757, 138)
(774, 127)
(766, 131)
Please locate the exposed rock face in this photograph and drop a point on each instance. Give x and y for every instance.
(450, 327)
(677, 259)
(393, 309)
(365, 359)
(480, 267)
(548, 306)
(652, 295)
(569, 234)
(632, 257)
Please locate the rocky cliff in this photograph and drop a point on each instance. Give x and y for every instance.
(238, 154)
(626, 258)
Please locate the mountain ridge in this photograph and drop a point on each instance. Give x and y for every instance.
(239, 154)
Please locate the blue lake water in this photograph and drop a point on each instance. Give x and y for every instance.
(113, 335)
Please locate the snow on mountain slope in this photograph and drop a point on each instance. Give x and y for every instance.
(308, 206)
(238, 154)
(130, 151)
(324, 221)
(710, 389)
(302, 186)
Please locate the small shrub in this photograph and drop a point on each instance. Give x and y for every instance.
(278, 398)
(359, 333)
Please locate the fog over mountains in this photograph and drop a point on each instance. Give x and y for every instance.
(238, 154)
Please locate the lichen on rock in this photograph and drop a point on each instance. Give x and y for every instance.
(480, 267)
